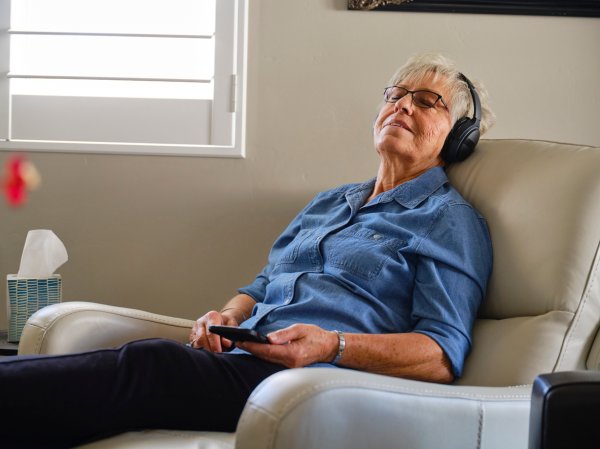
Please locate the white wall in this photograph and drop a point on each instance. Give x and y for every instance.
(178, 235)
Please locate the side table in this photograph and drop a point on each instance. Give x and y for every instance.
(7, 348)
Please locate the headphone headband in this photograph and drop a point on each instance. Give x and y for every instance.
(475, 97)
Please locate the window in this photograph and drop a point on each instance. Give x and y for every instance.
(123, 76)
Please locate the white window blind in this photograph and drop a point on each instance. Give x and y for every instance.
(123, 76)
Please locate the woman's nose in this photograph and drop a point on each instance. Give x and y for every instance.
(405, 104)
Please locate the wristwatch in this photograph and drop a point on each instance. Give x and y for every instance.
(341, 347)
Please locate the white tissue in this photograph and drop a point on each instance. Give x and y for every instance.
(42, 254)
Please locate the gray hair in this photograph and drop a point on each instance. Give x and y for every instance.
(460, 102)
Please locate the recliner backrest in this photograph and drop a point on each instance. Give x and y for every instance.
(542, 310)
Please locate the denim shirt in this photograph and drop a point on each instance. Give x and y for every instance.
(414, 259)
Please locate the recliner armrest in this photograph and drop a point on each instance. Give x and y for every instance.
(83, 326)
(332, 408)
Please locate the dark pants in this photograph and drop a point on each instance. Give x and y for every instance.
(61, 401)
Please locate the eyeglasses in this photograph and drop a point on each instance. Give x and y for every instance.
(421, 98)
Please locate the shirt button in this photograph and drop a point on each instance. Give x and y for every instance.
(377, 236)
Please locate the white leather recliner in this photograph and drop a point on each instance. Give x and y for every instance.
(541, 315)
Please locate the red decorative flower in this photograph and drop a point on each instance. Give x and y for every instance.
(20, 176)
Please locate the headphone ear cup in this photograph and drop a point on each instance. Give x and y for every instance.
(461, 140)
(468, 143)
(463, 137)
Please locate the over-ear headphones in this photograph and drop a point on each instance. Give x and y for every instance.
(463, 137)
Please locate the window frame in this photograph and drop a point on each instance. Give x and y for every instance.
(229, 97)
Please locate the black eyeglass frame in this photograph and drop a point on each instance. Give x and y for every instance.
(412, 93)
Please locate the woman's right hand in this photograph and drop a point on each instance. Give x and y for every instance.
(200, 337)
(236, 311)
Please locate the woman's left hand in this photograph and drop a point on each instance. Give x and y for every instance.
(296, 346)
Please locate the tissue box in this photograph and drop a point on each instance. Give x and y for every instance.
(26, 296)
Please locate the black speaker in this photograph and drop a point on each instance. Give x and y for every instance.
(565, 411)
(463, 137)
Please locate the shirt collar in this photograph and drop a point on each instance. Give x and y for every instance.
(409, 194)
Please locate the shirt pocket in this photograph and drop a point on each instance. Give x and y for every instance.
(289, 254)
(361, 252)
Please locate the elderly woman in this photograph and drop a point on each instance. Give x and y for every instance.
(384, 276)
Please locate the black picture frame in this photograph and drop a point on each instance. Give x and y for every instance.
(574, 8)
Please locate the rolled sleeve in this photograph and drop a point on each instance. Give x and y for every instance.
(451, 280)
(256, 289)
